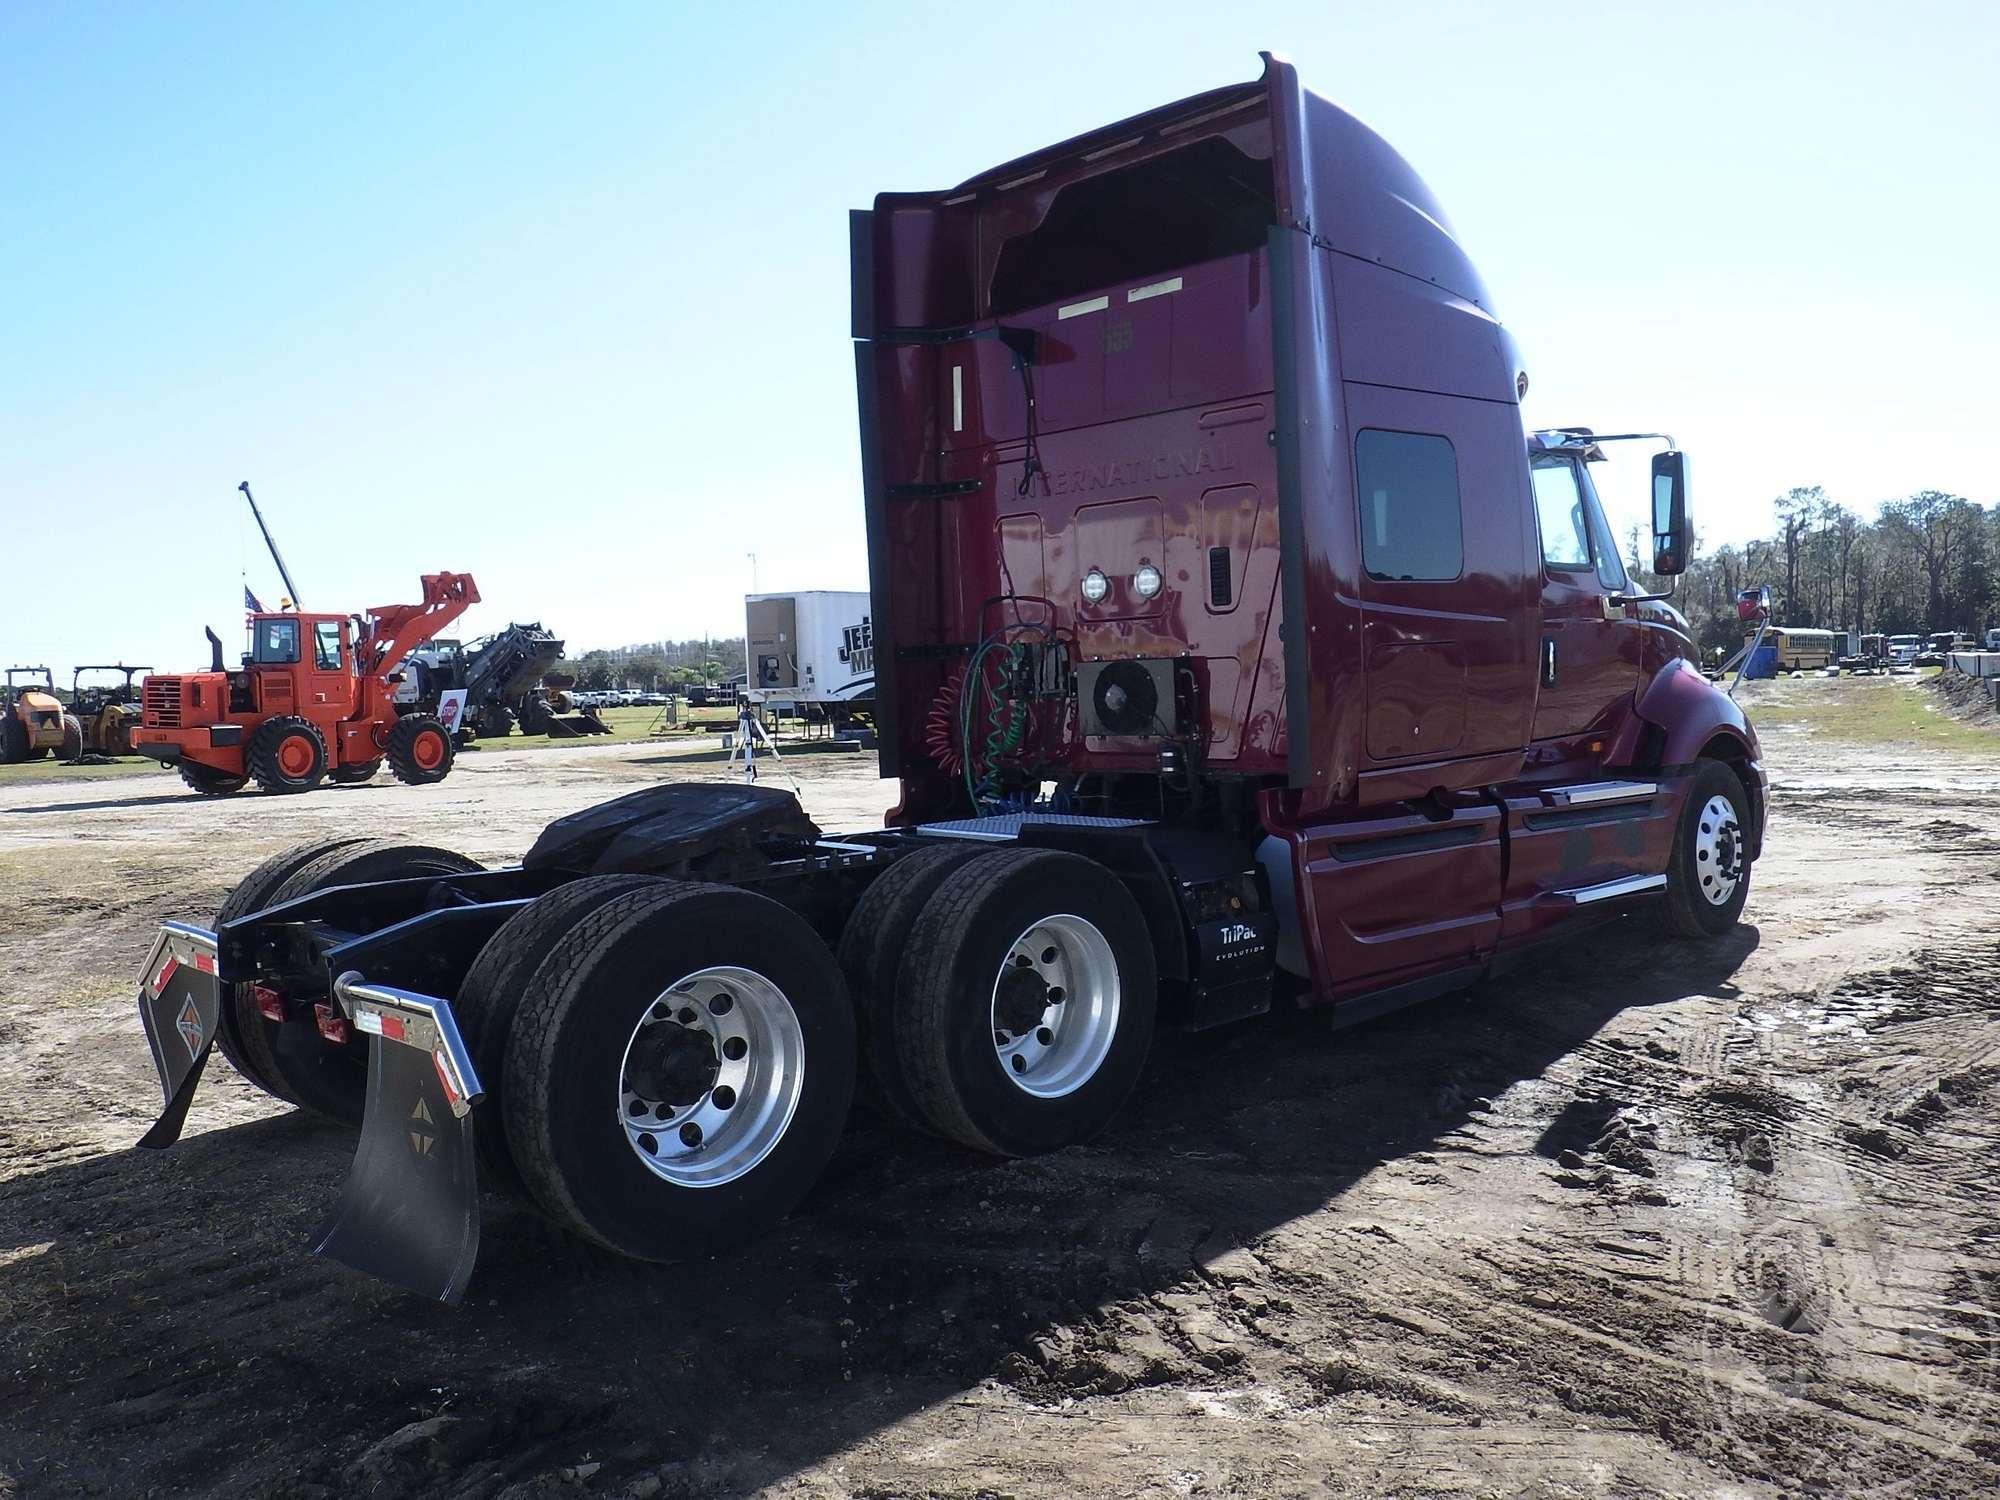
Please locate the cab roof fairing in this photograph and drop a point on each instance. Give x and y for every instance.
(1335, 179)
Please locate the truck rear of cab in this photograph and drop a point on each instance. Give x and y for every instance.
(1099, 389)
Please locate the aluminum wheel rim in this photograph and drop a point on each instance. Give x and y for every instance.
(758, 1051)
(1078, 1020)
(1718, 851)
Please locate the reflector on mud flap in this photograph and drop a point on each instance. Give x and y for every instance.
(180, 1003)
(409, 1212)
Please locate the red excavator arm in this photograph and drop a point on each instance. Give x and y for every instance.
(393, 630)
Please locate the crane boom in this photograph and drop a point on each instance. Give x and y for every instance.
(291, 589)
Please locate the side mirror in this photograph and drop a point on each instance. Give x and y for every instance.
(1754, 604)
(1671, 542)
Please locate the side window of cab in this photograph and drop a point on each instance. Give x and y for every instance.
(1575, 536)
(274, 642)
(1559, 513)
(326, 645)
(1610, 568)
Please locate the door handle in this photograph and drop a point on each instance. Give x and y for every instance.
(1548, 661)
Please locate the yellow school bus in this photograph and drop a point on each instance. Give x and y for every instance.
(1799, 650)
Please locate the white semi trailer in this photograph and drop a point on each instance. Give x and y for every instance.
(812, 648)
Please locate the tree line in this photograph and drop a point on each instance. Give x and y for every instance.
(656, 666)
(1926, 563)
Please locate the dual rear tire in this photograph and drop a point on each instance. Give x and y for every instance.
(668, 1064)
(290, 1060)
(1007, 996)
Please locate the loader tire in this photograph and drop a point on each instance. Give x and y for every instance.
(1025, 1002)
(871, 947)
(313, 1073)
(723, 1008)
(494, 722)
(492, 990)
(253, 893)
(72, 741)
(1708, 872)
(356, 774)
(286, 754)
(13, 739)
(420, 750)
(209, 781)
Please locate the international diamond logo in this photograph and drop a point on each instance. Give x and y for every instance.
(188, 1023)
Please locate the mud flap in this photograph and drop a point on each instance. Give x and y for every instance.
(180, 1005)
(409, 1212)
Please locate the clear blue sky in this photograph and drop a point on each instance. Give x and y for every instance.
(557, 293)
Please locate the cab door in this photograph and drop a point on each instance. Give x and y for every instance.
(329, 674)
(1590, 646)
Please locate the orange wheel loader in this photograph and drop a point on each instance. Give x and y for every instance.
(312, 701)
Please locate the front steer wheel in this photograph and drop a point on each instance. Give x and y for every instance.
(1708, 873)
(677, 1076)
(1025, 1001)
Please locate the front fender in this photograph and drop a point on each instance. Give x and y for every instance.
(1681, 716)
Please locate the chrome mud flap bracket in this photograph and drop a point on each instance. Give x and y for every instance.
(409, 1211)
(180, 1006)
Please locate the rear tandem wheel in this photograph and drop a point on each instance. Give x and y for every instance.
(1025, 1002)
(328, 1078)
(677, 1077)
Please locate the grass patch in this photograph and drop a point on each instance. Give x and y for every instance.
(51, 769)
(1866, 711)
(632, 726)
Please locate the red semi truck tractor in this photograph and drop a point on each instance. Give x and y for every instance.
(1235, 648)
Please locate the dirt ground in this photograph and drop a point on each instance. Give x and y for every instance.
(1640, 1219)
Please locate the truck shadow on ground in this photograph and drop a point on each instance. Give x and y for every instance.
(145, 1296)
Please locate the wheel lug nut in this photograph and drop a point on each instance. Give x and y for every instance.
(724, 1097)
(690, 1134)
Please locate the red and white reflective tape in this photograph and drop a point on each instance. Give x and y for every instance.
(443, 1066)
(379, 1023)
